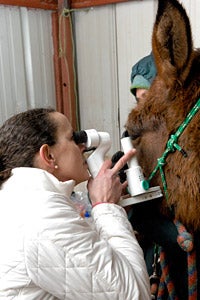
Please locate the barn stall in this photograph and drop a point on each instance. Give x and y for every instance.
(77, 57)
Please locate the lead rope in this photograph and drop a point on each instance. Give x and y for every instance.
(165, 280)
(186, 242)
(184, 239)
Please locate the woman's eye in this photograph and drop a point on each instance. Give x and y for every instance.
(73, 136)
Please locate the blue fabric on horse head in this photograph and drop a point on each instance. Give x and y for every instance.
(143, 73)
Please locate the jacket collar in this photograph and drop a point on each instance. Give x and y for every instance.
(37, 179)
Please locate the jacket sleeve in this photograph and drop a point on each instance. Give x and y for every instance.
(69, 259)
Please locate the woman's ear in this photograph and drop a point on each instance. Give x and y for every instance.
(46, 156)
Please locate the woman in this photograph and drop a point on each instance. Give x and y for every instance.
(48, 251)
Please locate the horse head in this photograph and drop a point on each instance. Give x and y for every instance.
(153, 124)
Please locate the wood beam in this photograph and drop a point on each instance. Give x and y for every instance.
(88, 3)
(53, 4)
(64, 64)
(42, 4)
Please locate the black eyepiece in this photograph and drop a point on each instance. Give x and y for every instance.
(80, 137)
(125, 134)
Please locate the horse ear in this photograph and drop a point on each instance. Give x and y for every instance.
(172, 41)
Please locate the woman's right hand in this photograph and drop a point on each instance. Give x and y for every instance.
(106, 186)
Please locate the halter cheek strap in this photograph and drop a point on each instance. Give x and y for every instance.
(172, 146)
(185, 240)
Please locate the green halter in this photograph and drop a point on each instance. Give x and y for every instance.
(172, 146)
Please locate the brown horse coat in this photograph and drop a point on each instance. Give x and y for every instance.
(172, 95)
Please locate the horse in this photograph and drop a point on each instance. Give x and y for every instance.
(165, 131)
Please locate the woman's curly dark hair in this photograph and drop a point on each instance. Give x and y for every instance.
(21, 137)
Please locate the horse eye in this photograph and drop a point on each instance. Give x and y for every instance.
(135, 136)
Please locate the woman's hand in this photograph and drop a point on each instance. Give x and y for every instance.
(106, 186)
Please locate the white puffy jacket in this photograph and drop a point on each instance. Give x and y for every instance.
(49, 252)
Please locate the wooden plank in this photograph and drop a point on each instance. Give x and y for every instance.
(88, 3)
(67, 99)
(53, 4)
(42, 4)
(57, 62)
